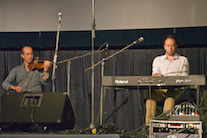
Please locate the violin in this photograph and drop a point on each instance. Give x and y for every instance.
(36, 64)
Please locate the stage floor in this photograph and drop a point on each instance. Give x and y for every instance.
(60, 136)
(68, 134)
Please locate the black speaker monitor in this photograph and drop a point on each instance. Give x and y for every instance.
(53, 109)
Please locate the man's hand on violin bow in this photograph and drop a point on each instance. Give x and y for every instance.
(16, 88)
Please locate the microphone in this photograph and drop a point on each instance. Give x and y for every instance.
(59, 15)
(139, 40)
(106, 49)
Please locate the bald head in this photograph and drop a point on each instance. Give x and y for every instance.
(25, 47)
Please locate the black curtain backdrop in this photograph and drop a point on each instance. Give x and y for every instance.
(132, 62)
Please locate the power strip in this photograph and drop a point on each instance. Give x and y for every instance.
(184, 117)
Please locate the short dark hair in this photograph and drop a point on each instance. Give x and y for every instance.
(22, 52)
(170, 36)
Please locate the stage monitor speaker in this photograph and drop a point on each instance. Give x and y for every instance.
(51, 109)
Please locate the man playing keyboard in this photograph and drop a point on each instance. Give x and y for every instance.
(170, 64)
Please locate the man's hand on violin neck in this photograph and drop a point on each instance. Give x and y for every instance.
(16, 88)
(47, 65)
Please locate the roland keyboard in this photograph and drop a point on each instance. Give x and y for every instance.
(154, 80)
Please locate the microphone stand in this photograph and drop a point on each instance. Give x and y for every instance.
(92, 125)
(69, 63)
(55, 55)
(102, 98)
(104, 59)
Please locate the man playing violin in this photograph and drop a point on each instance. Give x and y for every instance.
(27, 80)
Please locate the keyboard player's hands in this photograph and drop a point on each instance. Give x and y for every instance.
(157, 75)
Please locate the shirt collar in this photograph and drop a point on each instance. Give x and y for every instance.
(176, 56)
(23, 66)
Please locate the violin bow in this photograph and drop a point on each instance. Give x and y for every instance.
(35, 62)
